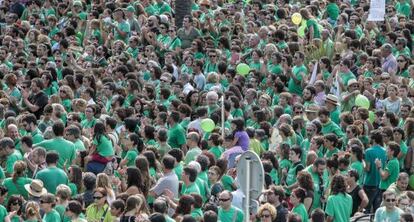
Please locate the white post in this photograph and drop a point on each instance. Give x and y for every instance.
(222, 116)
(247, 194)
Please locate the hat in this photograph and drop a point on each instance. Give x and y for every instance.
(35, 188)
(77, 3)
(130, 9)
(352, 81)
(205, 2)
(332, 99)
(312, 108)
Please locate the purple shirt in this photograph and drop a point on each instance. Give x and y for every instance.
(243, 140)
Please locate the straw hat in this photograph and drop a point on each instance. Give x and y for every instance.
(35, 188)
(312, 108)
(352, 82)
(332, 99)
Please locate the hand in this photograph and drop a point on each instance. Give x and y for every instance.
(378, 163)
(169, 194)
(25, 94)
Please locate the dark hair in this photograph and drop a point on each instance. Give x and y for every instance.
(376, 136)
(318, 215)
(58, 128)
(300, 194)
(135, 179)
(76, 176)
(27, 140)
(118, 204)
(395, 147)
(157, 217)
(357, 150)
(52, 157)
(169, 162)
(239, 122)
(177, 154)
(75, 207)
(89, 181)
(338, 184)
(184, 205)
(191, 172)
(210, 216)
(99, 131)
(353, 173)
(203, 161)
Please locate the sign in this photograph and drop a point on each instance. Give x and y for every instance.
(376, 10)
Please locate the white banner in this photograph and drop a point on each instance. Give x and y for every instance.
(376, 10)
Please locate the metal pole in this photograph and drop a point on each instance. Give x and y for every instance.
(247, 194)
(222, 116)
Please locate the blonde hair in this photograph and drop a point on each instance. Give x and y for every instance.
(32, 209)
(268, 207)
(19, 169)
(67, 90)
(63, 192)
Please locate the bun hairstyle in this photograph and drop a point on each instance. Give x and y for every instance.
(32, 209)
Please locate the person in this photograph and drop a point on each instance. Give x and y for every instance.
(74, 210)
(266, 213)
(193, 150)
(226, 211)
(275, 196)
(65, 148)
(47, 204)
(9, 153)
(15, 184)
(400, 186)
(390, 172)
(372, 175)
(52, 176)
(389, 211)
(339, 203)
(168, 181)
(359, 198)
(297, 198)
(99, 210)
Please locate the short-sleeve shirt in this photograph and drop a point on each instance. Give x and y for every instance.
(243, 140)
(40, 100)
(176, 136)
(299, 72)
(192, 188)
(11, 159)
(131, 155)
(301, 211)
(65, 148)
(52, 216)
(52, 177)
(168, 181)
(192, 155)
(17, 187)
(372, 178)
(124, 27)
(228, 215)
(104, 146)
(339, 207)
(393, 169)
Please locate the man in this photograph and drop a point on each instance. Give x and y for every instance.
(160, 206)
(189, 177)
(168, 181)
(199, 78)
(400, 186)
(320, 178)
(121, 28)
(37, 99)
(389, 212)
(339, 203)
(312, 112)
(389, 63)
(404, 114)
(331, 103)
(372, 173)
(275, 195)
(320, 92)
(328, 126)
(132, 20)
(345, 74)
(226, 211)
(297, 74)
(309, 94)
(65, 148)
(52, 176)
(211, 64)
(73, 134)
(390, 172)
(201, 113)
(13, 133)
(29, 123)
(212, 99)
(349, 96)
(187, 33)
(193, 150)
(8, 152)
(36, 160)
(176, 133)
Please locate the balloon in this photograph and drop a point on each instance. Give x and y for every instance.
(411, 181)
(296, 18)
(371, 117)
(362, 101)
(243, 69)
(207, 125)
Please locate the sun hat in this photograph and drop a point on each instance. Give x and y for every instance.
(35, 188)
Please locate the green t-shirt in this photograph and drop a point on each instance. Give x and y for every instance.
(52, 177)
(88, 124)
(403, 150)
(346, 77)
(228, 215)
(192, 155)
(301, 211)
(393, 168)
(313, 23)
(11, 159)
(124, 27)
(331, 127)
(330, 153)
(65, 148)
(372, 177)
(176, 136)
(104, 146)
(3, 212)
(131, 155)
(227, 182)
(216, 151)
(332, 11)
(73, 189)
(192, 188)
(52, 216)
(299, 72)
(16, 187)
(292, 172)
(359, 167)
(339, 207)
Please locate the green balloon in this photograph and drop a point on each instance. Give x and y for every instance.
(243, 69)
(207, 125)
(362, 101)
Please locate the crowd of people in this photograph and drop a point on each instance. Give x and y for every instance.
(140, 110)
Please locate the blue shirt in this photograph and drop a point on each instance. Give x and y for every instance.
(373, 178)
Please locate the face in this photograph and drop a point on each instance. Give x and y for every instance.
(99, 198)
(403, 204)
(212, 175)
(266, 216)
(293, 199)
(402, 184)
(390, 201)
(323, 118)
(224, 200)
(293, 156)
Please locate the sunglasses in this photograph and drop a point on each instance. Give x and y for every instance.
(400, 60)
(224, 200)
(390, 200)
(44, 202)
(97, 198)
(265, 216)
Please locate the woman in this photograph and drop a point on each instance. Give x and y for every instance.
(197, 48)
(90, 120)
(49, 87)
(187, 66)
(32, 212)
(163, 38)
(75, 179)
(305, 182)
(153, 163)
(359, 198)
(214, 143)
(142, 164)
(325, 69)
(17, 182)
(357, 162)
(399, 138)
(175, 43)
(392, 103)
(66, 95)
(403, 64)
(266, 213)
(133, 210)
(239, 133)
(133, 183)
(102, 150)
(380, 95)
(103, 181)
(312, 27)
(296, 199)
(192, 99)
(339, 203)
(184, 206)
(73, 211)
(62, 198)
(214, 176)
(15, 204)
(47, 204)
(99, 210)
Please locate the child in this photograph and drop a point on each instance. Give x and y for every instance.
(134, 145)
(162, 145)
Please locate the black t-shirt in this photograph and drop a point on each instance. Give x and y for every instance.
(39, 100)
(281, 215)
(356, 200)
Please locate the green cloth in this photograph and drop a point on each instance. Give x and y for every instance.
(192, 188)
(313, 23)
(79, 145)
(11, 159)
(331, 127)
(52, 216)
(332, 10)
(203, 188)
(334, 115)
(403, 9)
(178, 170)
(299, 72)
(228, 215)
(16, 188)
(372, 177)
(292, 172)
(339, 207)
(227, 182)
(3, 212)
(88, 124)
(37, 136)
(216, 151)
(316, 185)
(176, 136)
(124, 27)
(93, 214)
(393, 169)
(104, 146)
(403, 150)
(359, 167)
(73, 189)
(256, 146)
(345, 77)
(330, 153)
(131, 155)
(52, 177)
(300, 209)
(65, 148)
